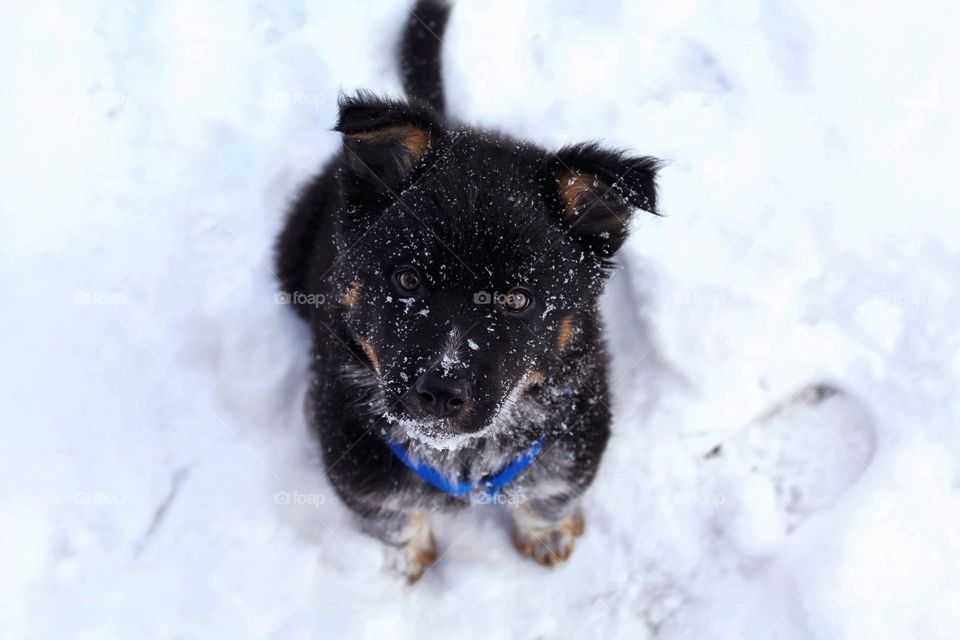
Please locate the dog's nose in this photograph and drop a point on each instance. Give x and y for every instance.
(441, 397)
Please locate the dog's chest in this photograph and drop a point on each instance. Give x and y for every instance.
(474, 463)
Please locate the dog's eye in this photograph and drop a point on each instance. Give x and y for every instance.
(407, 278)
(517, 300)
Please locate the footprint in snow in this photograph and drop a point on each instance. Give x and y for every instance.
(803, 454)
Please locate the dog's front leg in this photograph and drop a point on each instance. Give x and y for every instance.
(411, 549)
(546, 530)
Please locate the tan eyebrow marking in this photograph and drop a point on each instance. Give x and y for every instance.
(351, 296)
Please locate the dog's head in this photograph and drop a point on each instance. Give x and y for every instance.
(466, 258)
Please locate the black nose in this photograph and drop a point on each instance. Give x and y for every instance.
(442, 397)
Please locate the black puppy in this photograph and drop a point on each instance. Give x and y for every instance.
(450, 278)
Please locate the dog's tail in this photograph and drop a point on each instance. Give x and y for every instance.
(420, 51)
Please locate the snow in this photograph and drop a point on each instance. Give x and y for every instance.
(155, 471)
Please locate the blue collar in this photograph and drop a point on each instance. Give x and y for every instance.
(491, 484)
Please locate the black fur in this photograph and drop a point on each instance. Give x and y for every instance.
(420, 65)
(474, 213)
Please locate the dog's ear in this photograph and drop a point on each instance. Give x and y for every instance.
(383, 140)
(599, 189)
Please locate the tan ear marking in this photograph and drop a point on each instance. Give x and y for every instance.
(415, 140)
(565, 332)
(584, 193)
(574, 185)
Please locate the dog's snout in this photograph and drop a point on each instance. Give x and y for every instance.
(440, 397)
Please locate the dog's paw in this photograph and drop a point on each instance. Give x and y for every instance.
(412, 559)
(547, 544)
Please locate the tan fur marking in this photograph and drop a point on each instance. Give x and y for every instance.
(414, 139)
(371, 354)
(352, 295)
(422, 546)
(565, 333)
(414, 557)
(550, 544)
(573, 186)
(532, 378)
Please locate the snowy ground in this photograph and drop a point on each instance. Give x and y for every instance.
(152, 431)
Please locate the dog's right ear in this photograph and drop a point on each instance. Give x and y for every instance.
(384, 140)
(600, 188)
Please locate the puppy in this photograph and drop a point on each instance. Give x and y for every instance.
(450, 279)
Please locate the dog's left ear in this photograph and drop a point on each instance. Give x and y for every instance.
(599, 189)
(383, 139)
